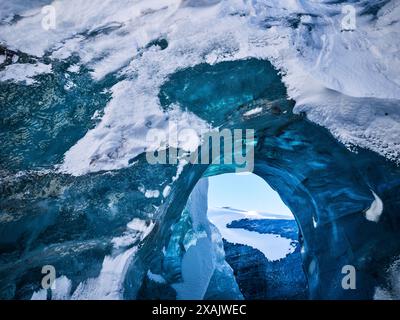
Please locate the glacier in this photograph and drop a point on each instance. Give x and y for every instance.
(77, 101)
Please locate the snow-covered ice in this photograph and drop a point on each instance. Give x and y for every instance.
(347, 81)
(24, 72)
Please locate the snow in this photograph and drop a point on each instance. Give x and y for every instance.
(347, 81)
(121, 134)
(253, 112)
(375, 210)
(204, 256)
(139, 225)
(392, 290)
(274, 247)
(197, 270)
(108, 285)
(39, 295)
(74, 68)
(198, 205)
(155, 277)
(137, 229)
(152, 194)
(61, 291)
(24, 72)
(149, 193)
(166, 191)
(199, 261)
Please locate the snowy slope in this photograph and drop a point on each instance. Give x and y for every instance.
(274, 247)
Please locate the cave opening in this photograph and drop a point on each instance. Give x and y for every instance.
(261, 239)
(329, 188)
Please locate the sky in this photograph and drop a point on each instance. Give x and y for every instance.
(246, 192)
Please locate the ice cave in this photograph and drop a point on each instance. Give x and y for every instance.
(77, 192)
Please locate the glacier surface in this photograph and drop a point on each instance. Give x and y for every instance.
(323, 66)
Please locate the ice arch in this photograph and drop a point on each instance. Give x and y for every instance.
(108, 233)
(328, 188)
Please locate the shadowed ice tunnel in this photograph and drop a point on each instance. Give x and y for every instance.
(108, 236)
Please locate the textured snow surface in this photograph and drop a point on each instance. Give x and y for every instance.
(347, 81)
(20, 72)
